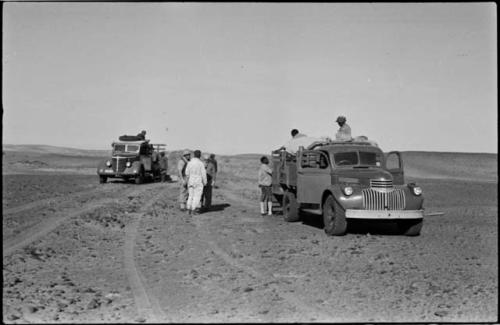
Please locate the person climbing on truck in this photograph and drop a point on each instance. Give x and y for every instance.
(298, 140)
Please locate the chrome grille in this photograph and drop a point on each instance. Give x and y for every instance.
(376, 200)
(119, 164)
(374, 183)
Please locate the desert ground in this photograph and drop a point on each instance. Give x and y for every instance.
(76, 251)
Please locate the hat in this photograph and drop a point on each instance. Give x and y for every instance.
(186, 152)
(341, 118)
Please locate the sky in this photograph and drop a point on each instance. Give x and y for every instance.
(233, 78)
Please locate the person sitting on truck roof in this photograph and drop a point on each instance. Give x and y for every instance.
(142, 135)
(344, 132)
(298, 140)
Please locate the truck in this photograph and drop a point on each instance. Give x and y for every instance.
(134, 159)
(344, 181)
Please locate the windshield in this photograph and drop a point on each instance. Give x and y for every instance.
(122, 148)
(353, 158)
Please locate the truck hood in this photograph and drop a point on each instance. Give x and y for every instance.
(362, 176)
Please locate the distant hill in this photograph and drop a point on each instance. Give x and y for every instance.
(418, 164)
(46, 149)
(456, 165)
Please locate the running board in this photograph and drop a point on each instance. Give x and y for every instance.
(313, 211)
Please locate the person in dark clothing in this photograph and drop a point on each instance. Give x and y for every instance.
(214, 176)
(142, 135)
(211, 168)
(163, 166)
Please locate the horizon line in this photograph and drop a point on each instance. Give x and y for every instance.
(235, 154)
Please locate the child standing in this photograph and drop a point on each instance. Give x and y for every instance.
(265, 182)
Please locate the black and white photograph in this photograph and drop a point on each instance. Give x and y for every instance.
(249, 162)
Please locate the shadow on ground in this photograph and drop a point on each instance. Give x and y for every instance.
(372, 227)
(218, 207)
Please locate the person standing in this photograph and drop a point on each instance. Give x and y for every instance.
(211, 168)
(196, 178)
(163, 166)
(265, 184)
(344, 132)
(181, 174)
(214, 176)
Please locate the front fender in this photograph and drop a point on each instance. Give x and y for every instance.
(413, 202)
(353, 201)
(101, 166)
(337, 194)
(135, 168)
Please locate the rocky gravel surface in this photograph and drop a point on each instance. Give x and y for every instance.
(78, 251)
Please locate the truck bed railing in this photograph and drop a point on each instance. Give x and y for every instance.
(159, 146)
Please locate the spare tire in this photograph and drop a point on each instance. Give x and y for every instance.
(130, 138)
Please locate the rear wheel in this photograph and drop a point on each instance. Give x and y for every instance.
(290, 207)
(410, 227)
(103, 179)
(334, 218)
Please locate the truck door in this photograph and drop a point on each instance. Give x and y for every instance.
(313, 176)
(394, 165)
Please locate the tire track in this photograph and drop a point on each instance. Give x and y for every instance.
(46, 226)
(43, 228)
(43, 202)
(147, 304)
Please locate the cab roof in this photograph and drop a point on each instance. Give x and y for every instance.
(327, 145)
(131, 142)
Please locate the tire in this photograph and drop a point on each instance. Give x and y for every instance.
(410, 227)
(334, 218)
(139, 178)
(290, 207)
(103, 179)
(279, 199)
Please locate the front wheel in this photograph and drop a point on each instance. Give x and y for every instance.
(290, 207)
(410, 227)
(139, 178)
(103, 179)
(334, 218)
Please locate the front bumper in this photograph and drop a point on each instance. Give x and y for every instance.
(111, 173)
(384, 214)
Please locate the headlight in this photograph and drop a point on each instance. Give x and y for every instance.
(108, 163)
(347, 190)
(128, 164)
(417, 190)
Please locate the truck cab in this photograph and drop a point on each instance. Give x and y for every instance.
(346, 180)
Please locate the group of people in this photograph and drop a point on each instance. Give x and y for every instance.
(197, 176)
(292, 146)
(196, 180)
